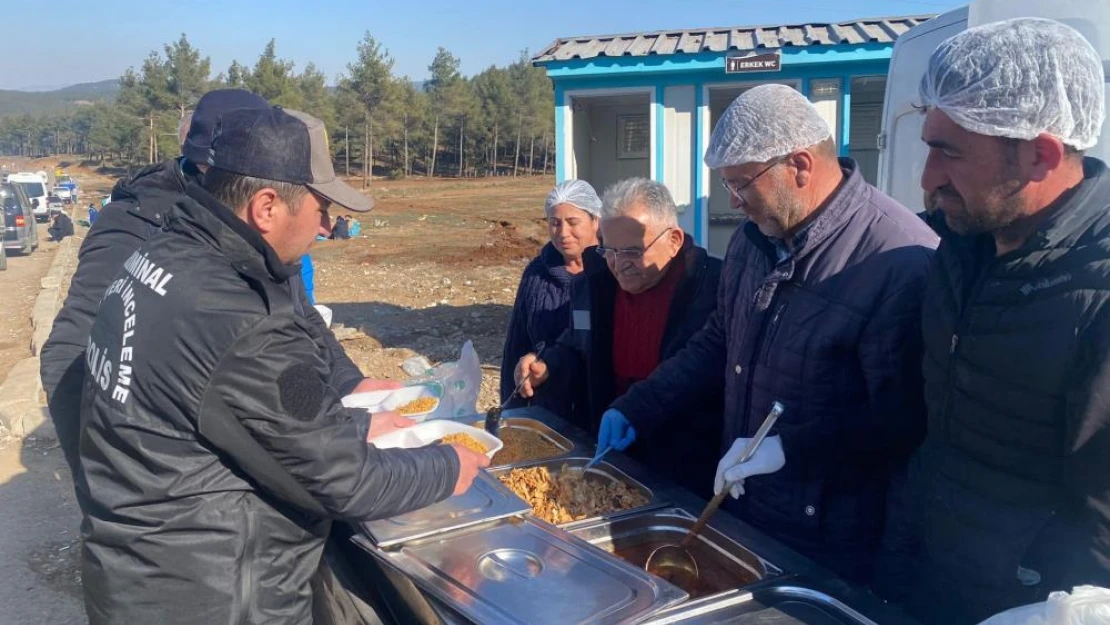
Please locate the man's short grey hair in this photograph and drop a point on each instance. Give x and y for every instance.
(621, 197)
(236, 190)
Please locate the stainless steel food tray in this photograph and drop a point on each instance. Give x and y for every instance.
(521, 572)
(488, 499)
(600, 471)
(778, 604)
(533, 425)
(725, 563)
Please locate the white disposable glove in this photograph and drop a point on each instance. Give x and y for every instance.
(768, 458)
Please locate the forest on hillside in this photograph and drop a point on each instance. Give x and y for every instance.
(497, 122)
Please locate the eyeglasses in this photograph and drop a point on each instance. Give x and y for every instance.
(736, 190)
(629, 253)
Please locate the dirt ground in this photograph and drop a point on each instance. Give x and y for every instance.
(39, 544)
(437, 264)
(19, 286)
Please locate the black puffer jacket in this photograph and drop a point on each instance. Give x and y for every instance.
(1015, 470)
(138, 210)
(214, 451)
(833, 332)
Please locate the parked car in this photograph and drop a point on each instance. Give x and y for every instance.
(20, 233)
(64, 193)
(54, 202)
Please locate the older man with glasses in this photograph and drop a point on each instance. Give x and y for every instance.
(645, 292)
(819, 308)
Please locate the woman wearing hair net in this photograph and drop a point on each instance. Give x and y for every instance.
(542, 308)
(1011, 488)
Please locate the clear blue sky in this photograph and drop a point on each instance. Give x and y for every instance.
(82, 40)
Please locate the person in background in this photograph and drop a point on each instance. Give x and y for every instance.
(339, 231)
(93, 215)
(1009, 495)
(541, 311)
(308, 279)
(819, 308)
(61, 227)
(643, 295)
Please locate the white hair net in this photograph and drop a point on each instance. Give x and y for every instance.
(577, 193)
(765, 122)
(1017, 79)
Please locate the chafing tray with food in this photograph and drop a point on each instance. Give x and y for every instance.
(560, 492)
(520, 572)
(723, 564)
(486, 500)
(781, 604)
(528, 440)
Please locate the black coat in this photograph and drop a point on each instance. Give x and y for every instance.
(139, 209)
(541, 313)
(1015, 470)
(62, 227)
(685, 444)
(341, 230)
(214, 450)
(833, 332)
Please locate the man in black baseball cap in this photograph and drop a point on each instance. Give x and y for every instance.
(215, 450)
(282, 145)
(139, 208)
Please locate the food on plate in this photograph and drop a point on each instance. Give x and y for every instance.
(465, 440)
(418, 405)
(523, 444)
(570, 495)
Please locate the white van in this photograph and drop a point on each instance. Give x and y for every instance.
(35, 189)
(902, 154)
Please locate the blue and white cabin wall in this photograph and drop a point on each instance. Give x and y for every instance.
(651, 116)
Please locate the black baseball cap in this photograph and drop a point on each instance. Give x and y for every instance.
(208, 111)
(283, 145)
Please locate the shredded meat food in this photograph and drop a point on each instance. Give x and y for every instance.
(569, 496)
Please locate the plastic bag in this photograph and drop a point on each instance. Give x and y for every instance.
(417, 366)
(1086, 605)
(325, 312)
(461, 382)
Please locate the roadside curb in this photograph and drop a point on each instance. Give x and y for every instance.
(22, 407)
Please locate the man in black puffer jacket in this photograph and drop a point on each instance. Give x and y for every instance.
(214, 451)
(818, 308)
(1012, 484)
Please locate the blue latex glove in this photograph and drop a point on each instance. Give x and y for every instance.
(616, 431)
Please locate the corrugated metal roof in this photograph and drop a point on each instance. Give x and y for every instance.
(741, 38)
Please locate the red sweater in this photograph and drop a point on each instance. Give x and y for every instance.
(639, 322)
